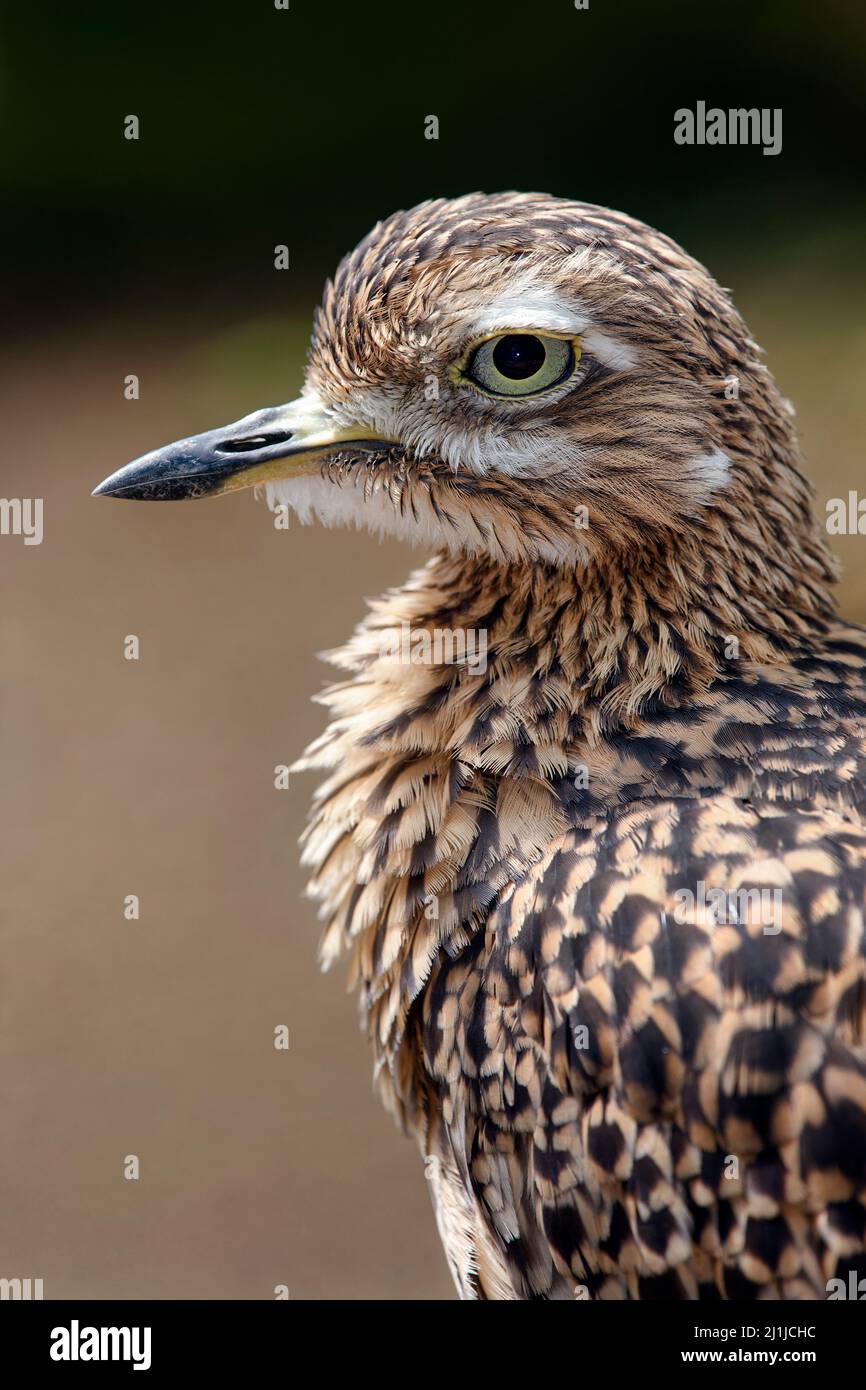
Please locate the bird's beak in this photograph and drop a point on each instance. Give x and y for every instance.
(281, 441)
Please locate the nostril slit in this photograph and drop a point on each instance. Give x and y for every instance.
(254, 441)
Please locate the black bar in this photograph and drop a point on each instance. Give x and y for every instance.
(221, 1338)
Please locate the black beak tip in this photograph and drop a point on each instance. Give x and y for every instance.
(121, 483)
(136, 484)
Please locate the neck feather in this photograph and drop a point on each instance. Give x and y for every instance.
(613, 641)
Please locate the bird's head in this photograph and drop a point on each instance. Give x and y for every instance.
(523, 378)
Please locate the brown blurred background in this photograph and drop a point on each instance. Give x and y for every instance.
(155, 1037)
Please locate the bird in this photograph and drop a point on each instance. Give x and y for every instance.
(590, 831)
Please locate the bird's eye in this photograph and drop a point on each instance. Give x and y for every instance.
(521, 364)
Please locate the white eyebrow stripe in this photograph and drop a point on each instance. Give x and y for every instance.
(530, 309)
(534, 307)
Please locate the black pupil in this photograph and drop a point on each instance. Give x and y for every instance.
(518, 356)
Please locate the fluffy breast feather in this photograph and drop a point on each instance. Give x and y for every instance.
(501, 857)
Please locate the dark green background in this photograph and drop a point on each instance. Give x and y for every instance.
(261, 126)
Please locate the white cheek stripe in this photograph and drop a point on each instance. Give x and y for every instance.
(620, 357)
(708, 472)
(335, 504)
